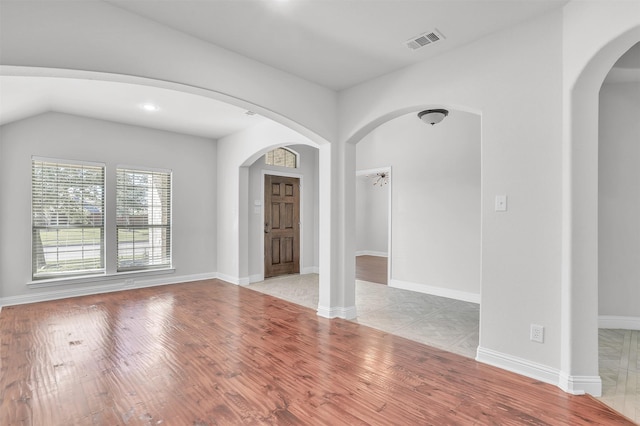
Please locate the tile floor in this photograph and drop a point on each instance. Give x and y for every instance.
(453, 325)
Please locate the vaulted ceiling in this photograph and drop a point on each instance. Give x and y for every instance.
(334, 43)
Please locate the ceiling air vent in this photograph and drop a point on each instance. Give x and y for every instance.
(424, 39)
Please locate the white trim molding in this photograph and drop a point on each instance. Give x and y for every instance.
(309, 270)
(243, 281)
(436, 291)
(371, 253)
(518, 365)
(348, 312)
(576, 385)
(580, 385)
(618, 322)
(122, 284)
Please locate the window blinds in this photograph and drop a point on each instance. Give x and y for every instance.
(143, 219)
(67, 218)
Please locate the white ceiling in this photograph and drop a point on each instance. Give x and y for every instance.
(179, 112)
(337, 43)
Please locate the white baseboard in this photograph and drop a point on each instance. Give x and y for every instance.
(243, 281)
(576, 385)
(618, 322)
(371, 253)
(309, 270)
(436, 291)
(105, 288)
(518, 365)
(256, 278)
(337, 312)
(580, 385)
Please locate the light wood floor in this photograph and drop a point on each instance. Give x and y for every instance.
(209, 353)
(372, 269)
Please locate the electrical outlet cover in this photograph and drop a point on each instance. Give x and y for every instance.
(537, 333)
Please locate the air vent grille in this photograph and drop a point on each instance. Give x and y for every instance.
(424, 39)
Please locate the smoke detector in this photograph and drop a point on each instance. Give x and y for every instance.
(424, 39)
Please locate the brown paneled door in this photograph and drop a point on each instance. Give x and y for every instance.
(282, 225)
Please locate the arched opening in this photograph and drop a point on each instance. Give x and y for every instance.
(619, 233)
(579, 356)
(435, 219)
(306, 174)
(222, 241)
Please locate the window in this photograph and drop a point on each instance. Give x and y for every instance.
(143, 219)
(67, 217)
(281, 157)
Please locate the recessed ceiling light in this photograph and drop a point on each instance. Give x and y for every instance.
(150, 107)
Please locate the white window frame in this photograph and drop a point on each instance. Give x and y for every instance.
(168, 246)
(57, 275)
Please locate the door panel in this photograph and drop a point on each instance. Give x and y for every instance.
(282, 225)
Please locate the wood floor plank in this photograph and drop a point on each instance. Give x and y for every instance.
(211, 353)
(372, 269)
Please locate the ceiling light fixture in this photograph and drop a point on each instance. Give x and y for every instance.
(380, 178)
(433, 116)
(150, 107)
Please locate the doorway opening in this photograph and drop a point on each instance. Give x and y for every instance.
(373, 225)
(619, 234)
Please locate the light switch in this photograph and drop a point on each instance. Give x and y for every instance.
(501, 203)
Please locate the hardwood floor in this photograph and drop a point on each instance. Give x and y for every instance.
(209, 353)
(372, 269)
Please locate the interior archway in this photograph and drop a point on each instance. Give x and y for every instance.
(579, 357)
(435, 213)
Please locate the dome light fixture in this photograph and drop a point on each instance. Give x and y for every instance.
(433, 116)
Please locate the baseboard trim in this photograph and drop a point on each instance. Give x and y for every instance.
(580, 385)
(256, 278)
(619, 322)
(518, 365)
(576, 385)
(436, 291)
(348, 312)
(372, 253)
(243, 281)
(106, 288)
(309, 270)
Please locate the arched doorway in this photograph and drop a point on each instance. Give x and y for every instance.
(579, 295)
(435, 220)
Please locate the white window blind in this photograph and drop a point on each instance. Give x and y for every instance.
(281, 157)
(67, 218)
(143, 219)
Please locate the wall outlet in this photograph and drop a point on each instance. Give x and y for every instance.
(128, 283)
(537, 333)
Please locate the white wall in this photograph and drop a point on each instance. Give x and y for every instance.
(308, 171)
(372, 217)
(61, 136)
(619, 201)
(513, 80)
(435, 201)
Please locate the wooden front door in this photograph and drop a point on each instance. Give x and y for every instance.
(282, 225)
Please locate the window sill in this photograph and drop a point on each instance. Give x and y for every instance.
(83, 279)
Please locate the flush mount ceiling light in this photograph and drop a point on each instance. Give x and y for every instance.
(433, 116)
(150, 107)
